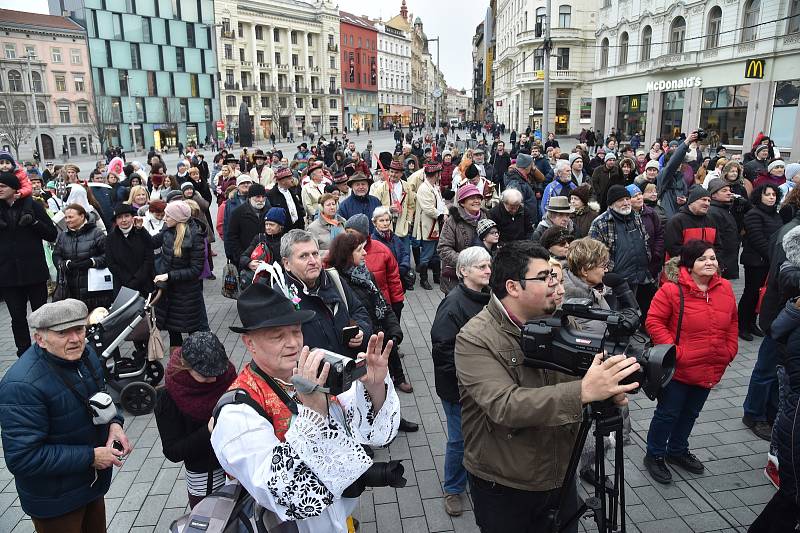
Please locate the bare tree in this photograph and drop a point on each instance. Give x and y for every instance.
(15, 126)
(100, 121)
(276, 111)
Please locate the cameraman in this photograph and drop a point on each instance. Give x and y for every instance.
(520, 423)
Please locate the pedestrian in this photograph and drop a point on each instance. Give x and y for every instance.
(427, 219)
(383, 233)
(264, 247)
(691, 222)
(655, 231)
(328, 225)
(556, 241)
(557, 213)
(360, 201)
(511, 217)
(462, 303)
(197, 375)
(60, 451)
(696, 311)
(672, 189)
(721, 216)
(459, 232)
(129, 253)
(586, 210)
(604, 177)
(286, 195)
(246, 222)
(560, 186)
(154, 218)
(84, 198)
(181, 308)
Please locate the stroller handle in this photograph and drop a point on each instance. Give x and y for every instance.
(154, 298)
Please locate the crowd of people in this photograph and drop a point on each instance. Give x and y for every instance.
(320, 250)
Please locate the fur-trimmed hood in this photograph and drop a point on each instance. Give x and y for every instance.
(791, 246)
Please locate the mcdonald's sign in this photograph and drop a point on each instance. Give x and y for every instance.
(754, 68)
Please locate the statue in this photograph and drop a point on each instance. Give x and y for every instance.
(245, 127)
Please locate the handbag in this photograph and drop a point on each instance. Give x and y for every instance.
(761, 292)
(61, 292)
(230, 281)
(155, 344)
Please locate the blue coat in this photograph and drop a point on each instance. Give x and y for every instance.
(48, 435)
(353, 205)
(399, 250)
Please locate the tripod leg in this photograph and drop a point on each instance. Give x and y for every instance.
(600, 486)
(557, 525)
(619, 478)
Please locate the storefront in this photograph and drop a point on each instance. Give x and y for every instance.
(723, 114)
(166, 135)
(395, 114)
(672, 115)
(632, 114)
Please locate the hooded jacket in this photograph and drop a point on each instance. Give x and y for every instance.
(760, 223)
(458, 233)
(709, 328)
(685, 226)
(728, 232)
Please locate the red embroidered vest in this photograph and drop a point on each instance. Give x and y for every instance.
(258, 389)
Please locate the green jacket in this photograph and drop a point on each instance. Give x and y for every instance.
(519, 423)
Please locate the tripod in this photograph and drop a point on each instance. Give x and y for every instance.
(607, 504)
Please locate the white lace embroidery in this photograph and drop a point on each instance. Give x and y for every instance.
(335, 458)
(366, 426)
(294, 485)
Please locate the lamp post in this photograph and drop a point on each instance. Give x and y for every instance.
(37, 141)
(128, 78)
(437, 91)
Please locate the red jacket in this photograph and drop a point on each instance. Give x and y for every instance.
(383, 265)
(709, 329)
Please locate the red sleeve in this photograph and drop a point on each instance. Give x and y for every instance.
(26, 188)
(393, 280)
(221, 220)
(659, 317)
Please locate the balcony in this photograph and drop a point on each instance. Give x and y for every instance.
(266, 66)
(230, 86)
(555, 75)
(314, 69)
(300, 89)
(299, 68)
(333, 47)
(251, 88)
(284, 89)
(333, 90)
(282, 68)
(228, 34)
(247, 64)
(317, 90)
(268, 88)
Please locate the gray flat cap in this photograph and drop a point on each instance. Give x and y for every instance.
(59, 316)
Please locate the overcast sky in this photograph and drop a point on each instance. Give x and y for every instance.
(454, 22)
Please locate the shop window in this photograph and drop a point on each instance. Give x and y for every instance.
(784, 112)
(749, 24)
(562, 111)
(793, 26)
(713, 27)
(677, 33)
(632, 114)
(672, 115)
(586, 109)
(604, 53)
(723, 114)
(623, 48)
(647, 41)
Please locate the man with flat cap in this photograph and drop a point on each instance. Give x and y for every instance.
(56, 440)
(293, 447)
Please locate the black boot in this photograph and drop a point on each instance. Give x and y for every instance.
(755, 330)
(437, 272)
(415, 252)
(423, 278)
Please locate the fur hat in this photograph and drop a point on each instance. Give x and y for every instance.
(256, 189)
(472, 171)
(582, 193)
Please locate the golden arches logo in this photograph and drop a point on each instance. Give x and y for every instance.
(754, 69)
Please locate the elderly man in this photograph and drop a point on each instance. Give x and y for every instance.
(129, 253)
(286, 194)
(486, 171)
(56, 442)
(401, 200)
(430, 211)
(691, 222)
(604, 177)
(721, 214)
(558, 213)
(359, 201)
(247, 221)
(561, 186)
(520, 176)
(295, 449)
(239, 197)
(622, 231)
(512, 218)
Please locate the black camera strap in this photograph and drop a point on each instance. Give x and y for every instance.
(288, 401)
(84, 400)
(680, 315)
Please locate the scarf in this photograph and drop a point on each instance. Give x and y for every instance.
(385, 235)
(332, 221)
(359, 275)
(472, 218)
(195, 400)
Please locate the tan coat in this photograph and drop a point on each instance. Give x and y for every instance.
(519, 423)
(416, 179)
(404, 223)
(265, 178)
(311, 195)
(429, 199)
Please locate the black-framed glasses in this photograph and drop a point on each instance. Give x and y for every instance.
(544, 278)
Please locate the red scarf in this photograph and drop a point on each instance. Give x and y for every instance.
(194, 399)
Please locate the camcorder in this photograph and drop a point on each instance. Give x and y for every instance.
(554, 344)
(343, 373)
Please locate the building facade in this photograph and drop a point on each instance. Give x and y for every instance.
(281, 60)
(359, 57)
(394, 75)
(153, 69)
(45, 87)
(434, 80)
(459, 105)
(419, 74)
(727, 66)
(520, 62)
(478, 69)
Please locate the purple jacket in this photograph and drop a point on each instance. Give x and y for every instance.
(655, 230)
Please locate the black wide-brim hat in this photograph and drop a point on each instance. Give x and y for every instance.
(262, 307)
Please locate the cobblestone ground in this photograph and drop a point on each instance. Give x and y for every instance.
(149, 492)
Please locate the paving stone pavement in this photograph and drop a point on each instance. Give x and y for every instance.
(149, 492)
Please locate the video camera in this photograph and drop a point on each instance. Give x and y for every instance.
(343, 373)
(553, 344)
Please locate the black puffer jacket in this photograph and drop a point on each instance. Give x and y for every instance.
(245, 223)
(22, 259)
(389, 324)
(130, 259)
(760, 223)
(181, 307)
(86, 246)
(457, 308)
(728, 235)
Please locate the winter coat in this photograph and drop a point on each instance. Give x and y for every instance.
(426, 218)
(685, 226)
(575, 287)
(728, 252)
(515, 180)
(325, 232)
(500, 163)
(555, 188)
(87, 242)
(398, 249)
(670, 181)
(704, 352)
(582, 219)
(382, 264)
(48, 436)
(273, 248)
(755, 169)
(310, 194)
(231, 205)
(458, 233)
(516, 227)
(245, 223)
(276, 199)
(389, 324)
(104, 194)
(628, 251)
(655, 230)
(602, 180)
(760, 224)
(130, 260)
(408, 205)
(775, 296)
(453, 313)
(22, 259)
(266, 177)
(182, 307)
(662, 215)
(355, 205)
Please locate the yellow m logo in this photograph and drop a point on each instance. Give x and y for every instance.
(755, 69)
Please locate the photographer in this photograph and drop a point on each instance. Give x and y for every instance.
(520, 423)
(298, 455)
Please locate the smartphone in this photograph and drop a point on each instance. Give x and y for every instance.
(348, 334)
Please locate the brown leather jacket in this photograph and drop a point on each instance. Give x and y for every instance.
(519, 423)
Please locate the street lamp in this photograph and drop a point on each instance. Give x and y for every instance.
(37, 141)
(128, 78)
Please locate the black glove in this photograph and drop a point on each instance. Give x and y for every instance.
(69, 266)
(26, 219)
(82, 264)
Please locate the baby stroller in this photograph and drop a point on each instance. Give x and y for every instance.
(131, 378)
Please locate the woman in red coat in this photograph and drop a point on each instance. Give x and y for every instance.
(707, 343)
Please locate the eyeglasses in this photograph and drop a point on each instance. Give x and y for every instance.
(493, 232)
(544, 278)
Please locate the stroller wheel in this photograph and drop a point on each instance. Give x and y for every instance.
(153, 373)
(138, 398)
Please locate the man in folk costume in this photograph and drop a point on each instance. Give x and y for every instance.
(262, 172)
(401, 200)
(298, 453)
(429, 212)
(487, 189)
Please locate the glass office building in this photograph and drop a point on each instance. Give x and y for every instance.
(154, 69)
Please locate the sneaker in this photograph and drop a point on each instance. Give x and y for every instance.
(761, 428)
(452, 504)
(771, 471)
(658, 469)
(688, 462)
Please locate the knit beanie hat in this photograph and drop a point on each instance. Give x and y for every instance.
(762, 147)
(609, 156)
(652, 164)
(583, 193)
(179, 211)
(615, 192)
(10, 180)
(485, 225)
(574, 157)
(633, 190)
(186, 185)
(717, 184)
(524, 160)
(776, 163)
(472, 171)
(792, 170)
(6, 156)
(359, 223)
(276, 215)
(697, 192)
(256, 189)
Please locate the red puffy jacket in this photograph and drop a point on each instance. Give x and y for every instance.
(381, 262)
(709, 329)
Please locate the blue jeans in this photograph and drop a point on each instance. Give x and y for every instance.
(678, 407)
(428, 254)
(455, 476)
(761, 402)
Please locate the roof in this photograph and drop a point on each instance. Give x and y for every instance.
(354, 20)
(37, 20)
(399, 22)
